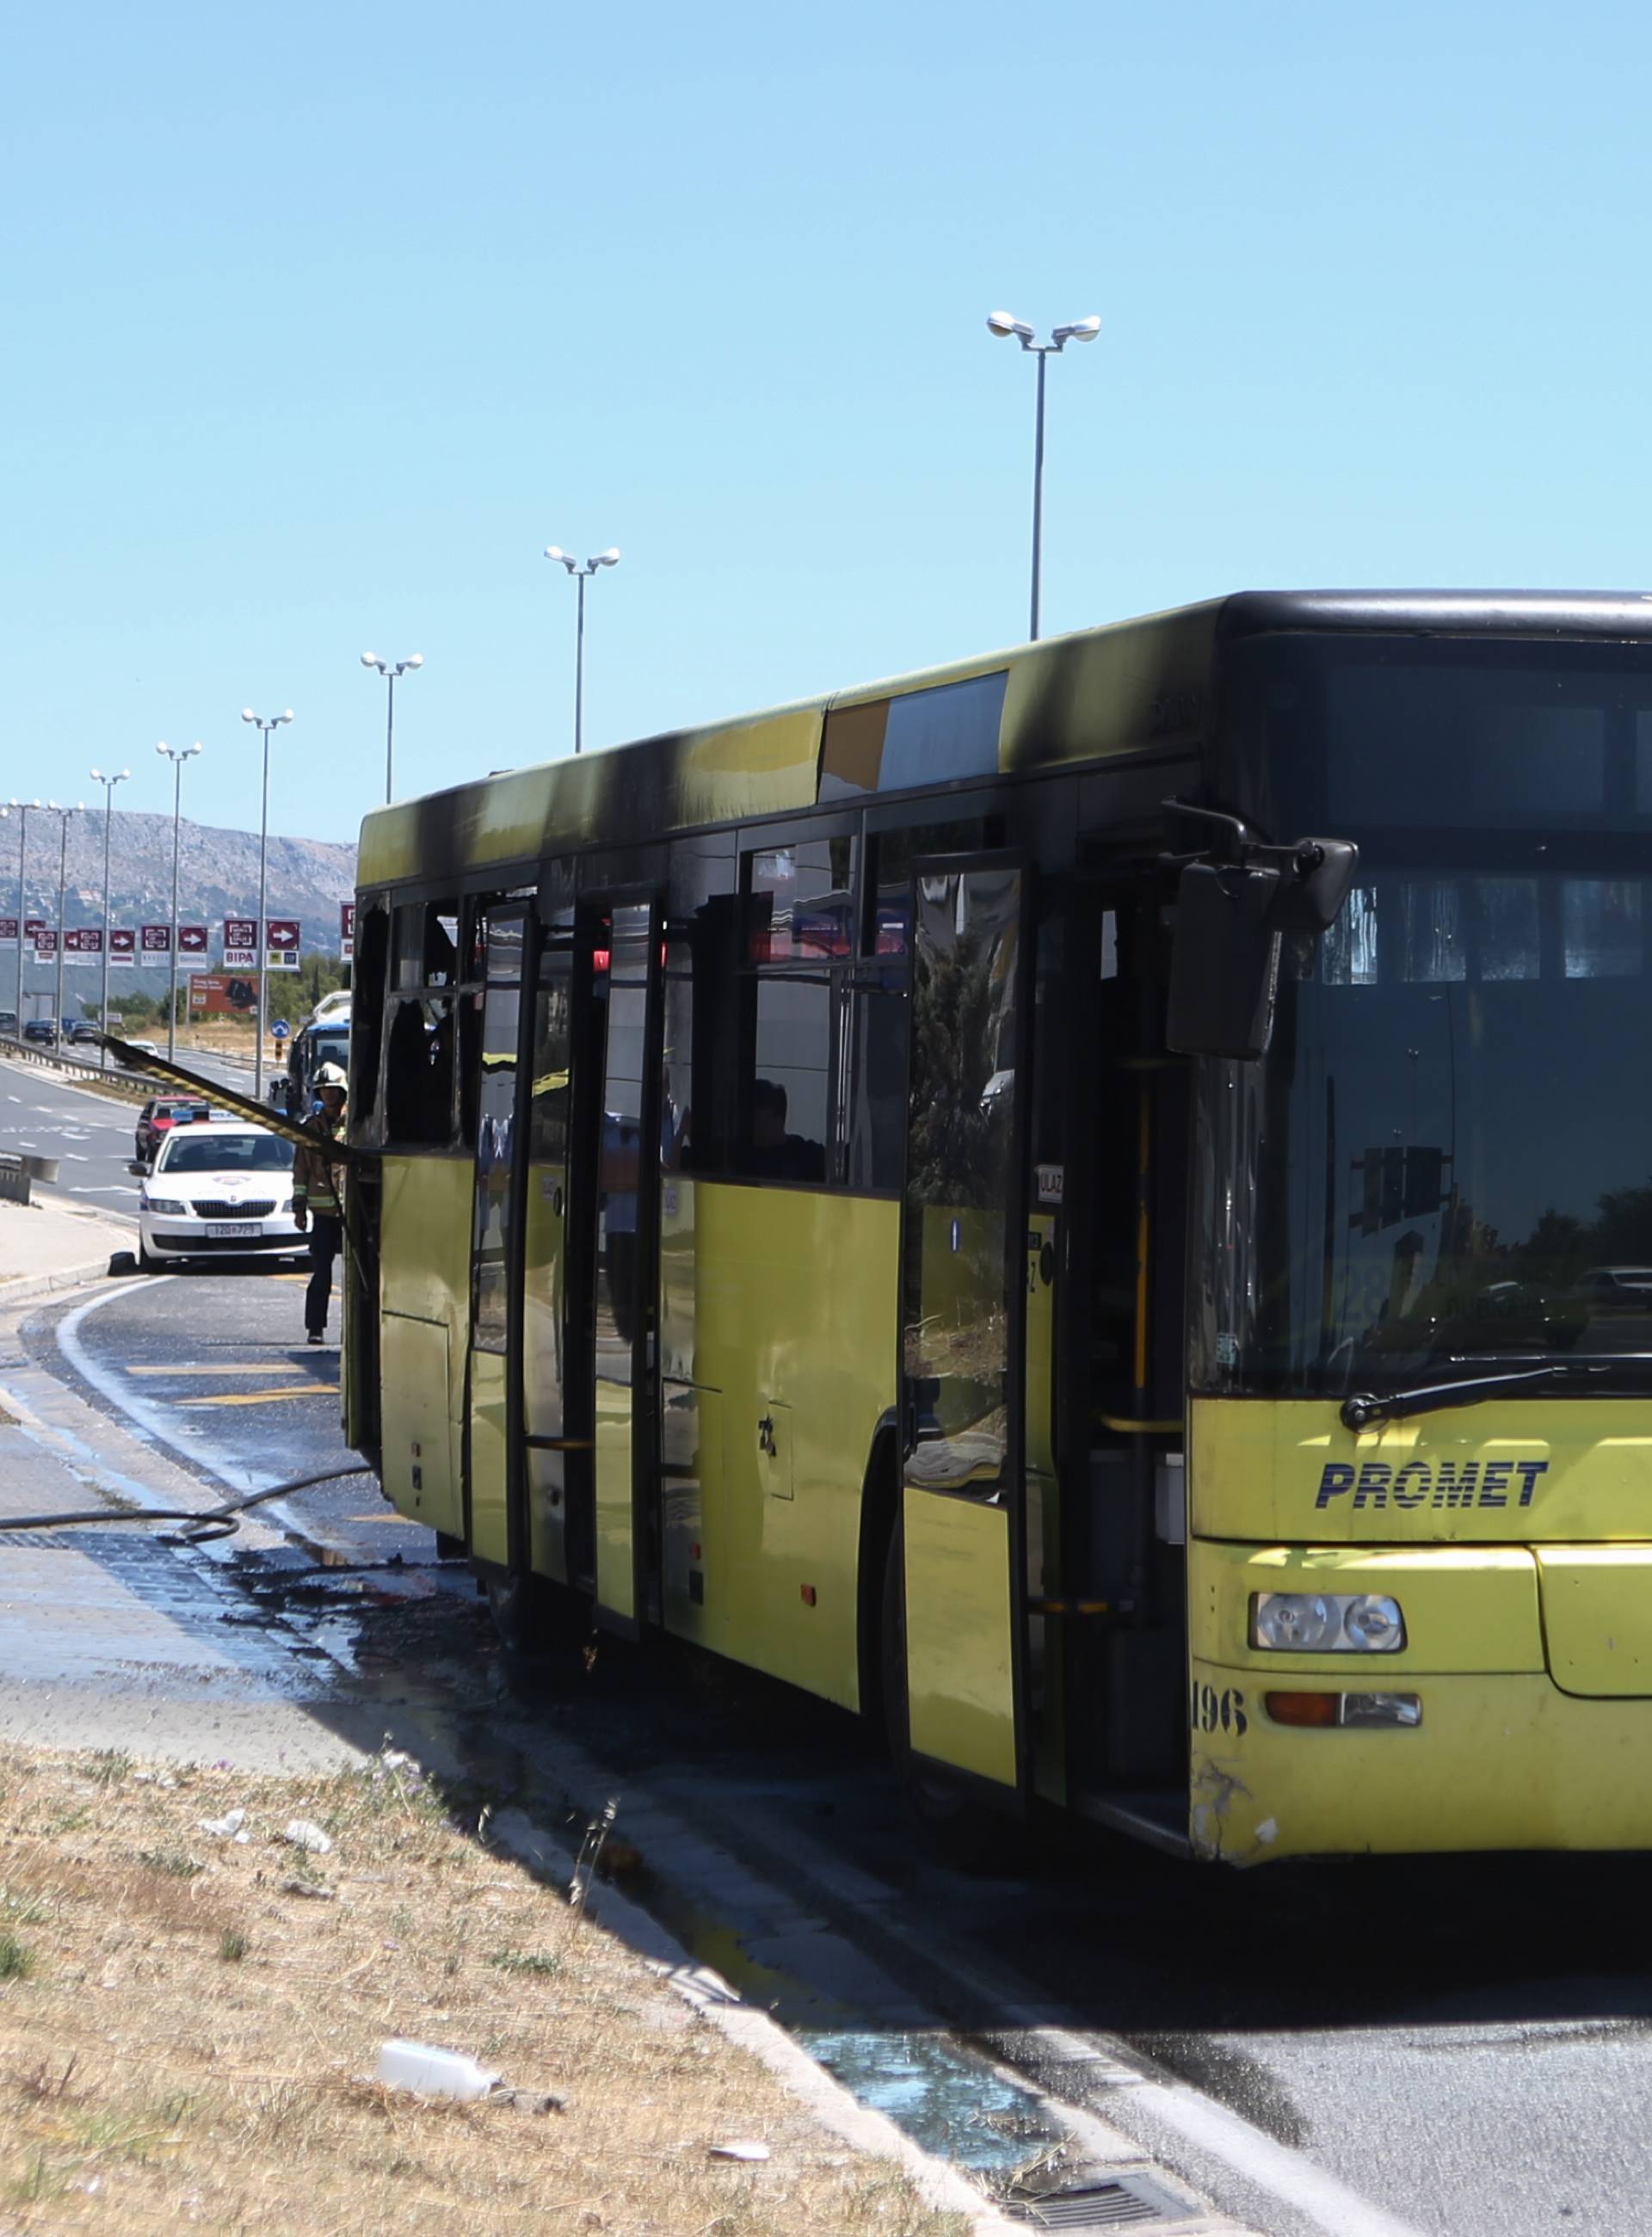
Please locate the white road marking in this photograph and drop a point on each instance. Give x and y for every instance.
(108, 1188)
(155, 1422)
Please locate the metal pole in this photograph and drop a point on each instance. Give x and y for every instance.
(23, 842)
(263, 957)
(1038, 490)
(63, 815)
(579, 664)
(389, 733)
(109, 795)
(172, 982)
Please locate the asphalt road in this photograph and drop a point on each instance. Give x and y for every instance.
(90, 1133)
(1465, 2043)
(214, 1366)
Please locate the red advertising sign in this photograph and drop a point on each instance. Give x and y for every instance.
(8, 929)
(46, 941)
(191, 940)
(347, 930)
(122, 949)
(83, 940)
(33, 926)
(220, 994)
(156, 937)
(240, 943)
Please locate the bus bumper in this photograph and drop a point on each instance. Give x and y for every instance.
(1497, 1761)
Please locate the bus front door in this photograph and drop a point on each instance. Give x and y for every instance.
(963, 1258)
(493, 1407)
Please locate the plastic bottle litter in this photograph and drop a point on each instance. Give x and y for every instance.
(304, 1835)
(227, 1828)
(431, 2072)
(738, 2151)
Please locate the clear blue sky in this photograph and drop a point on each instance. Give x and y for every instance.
(322, 322)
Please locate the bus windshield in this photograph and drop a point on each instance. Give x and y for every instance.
(1446, 1161)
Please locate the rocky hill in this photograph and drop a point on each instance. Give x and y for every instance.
(217, 874)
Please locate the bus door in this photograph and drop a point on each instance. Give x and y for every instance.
(963, 1261)
(492, 1410)
(613, 1314)
(557, 1532)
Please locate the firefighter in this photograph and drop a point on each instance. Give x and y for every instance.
(318, 1181)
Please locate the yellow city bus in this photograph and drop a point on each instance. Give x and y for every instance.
(1095, 1204)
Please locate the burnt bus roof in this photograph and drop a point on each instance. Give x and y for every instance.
(1623, 615)
(1090, 697)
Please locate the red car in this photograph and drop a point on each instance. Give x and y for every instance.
(159, 1115)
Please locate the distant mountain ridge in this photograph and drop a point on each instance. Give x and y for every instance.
(217, 874)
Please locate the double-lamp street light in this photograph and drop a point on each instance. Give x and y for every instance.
(63, 815)
(582, 575)
(177, 755)
(266, 723)
(1004, 324)
(24, 809)
(390, 669)
(108, 784)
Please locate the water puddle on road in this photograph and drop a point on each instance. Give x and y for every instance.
(952, 2103)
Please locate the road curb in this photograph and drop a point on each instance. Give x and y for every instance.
(27, 1288)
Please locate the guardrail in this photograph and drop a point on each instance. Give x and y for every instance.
(51, 1058)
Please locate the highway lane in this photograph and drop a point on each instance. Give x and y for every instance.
(91, 1134)
(1465, 2042)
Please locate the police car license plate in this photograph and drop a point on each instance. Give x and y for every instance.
(233, 1231)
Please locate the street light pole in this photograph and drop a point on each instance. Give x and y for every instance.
(267, 724)
(390, 669)
(582, 575)
(108, 784)
(1003, 324)
(22, 807)
(63, 815)
(177, 755)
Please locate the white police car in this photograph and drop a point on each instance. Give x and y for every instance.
(216, 1189)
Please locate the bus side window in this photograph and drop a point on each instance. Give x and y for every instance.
(878, 1097)
(366, 1004)
(420, 1053)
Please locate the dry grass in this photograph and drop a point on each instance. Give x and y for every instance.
(186, 2023)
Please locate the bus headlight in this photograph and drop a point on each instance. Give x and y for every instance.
(1326, 1623)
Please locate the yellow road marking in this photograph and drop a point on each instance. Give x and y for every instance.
(231, 1367)
(407, 1522)
(265, 1397)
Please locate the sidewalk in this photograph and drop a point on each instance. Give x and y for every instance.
(45, 1247)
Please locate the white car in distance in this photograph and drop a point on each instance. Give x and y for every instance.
(215, 1189)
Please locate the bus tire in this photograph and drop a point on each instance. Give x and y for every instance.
(956, 1829)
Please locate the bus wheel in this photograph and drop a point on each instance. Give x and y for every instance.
(957, 1830)
(540, 1632)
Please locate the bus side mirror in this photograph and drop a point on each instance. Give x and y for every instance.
(1224, 964)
